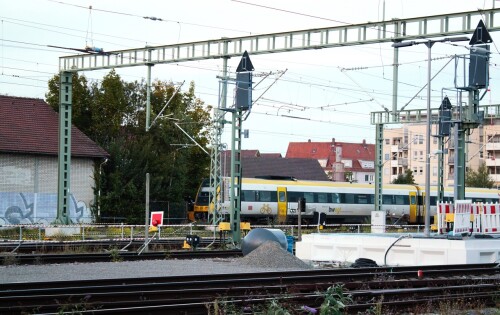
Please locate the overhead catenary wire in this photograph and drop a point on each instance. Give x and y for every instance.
(366, 92)
(152, 18)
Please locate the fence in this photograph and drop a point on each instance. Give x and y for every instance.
(467, 217)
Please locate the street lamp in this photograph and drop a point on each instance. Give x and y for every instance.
(429, 43)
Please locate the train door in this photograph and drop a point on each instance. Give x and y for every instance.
(421, 214)
(413, 207)
(282, 204)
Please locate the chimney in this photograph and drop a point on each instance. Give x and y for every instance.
(309, 140)
(364, 143)
(333, 141)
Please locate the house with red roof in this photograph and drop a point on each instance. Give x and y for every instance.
(29, 164)
(341, 161)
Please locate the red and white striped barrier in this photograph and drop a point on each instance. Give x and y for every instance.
(490, 219)
(475, 212)
(443, 208)
(469, 217)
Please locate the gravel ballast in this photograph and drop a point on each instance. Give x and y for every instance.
(267, 257)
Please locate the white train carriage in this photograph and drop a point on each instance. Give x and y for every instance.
(264, 200)
(269, 200)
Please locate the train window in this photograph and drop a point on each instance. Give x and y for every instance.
(322, 197)
(294, 196)
(364, 199)
(387, 199)
(349, 198)
(335, 197)
(448, 199)
(342, 198)
(202, 201)
(281, 196)
(413, 200)
(399, 199)
(247, 195)
(266, 196)
(309, 197)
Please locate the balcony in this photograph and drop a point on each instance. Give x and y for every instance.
(403, 162)
(394, 148)
(451, 159)
(492, 162)
(492, 146)
(495, 177)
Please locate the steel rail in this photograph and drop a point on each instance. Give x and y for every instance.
(151, 292)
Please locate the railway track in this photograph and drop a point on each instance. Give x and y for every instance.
(393, 289)
(42, 247)
(38, 259)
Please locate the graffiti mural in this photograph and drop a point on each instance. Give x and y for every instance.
(31, 208)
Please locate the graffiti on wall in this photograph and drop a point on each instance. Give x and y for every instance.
(41, 208)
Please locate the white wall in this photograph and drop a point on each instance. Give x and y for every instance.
(28, 188)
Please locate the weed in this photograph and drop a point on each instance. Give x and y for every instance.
(9, 259)
(115, 255)
(335, 301)
(83, 306)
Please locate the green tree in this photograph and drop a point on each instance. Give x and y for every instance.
(406, 178)
(479, 178)
(81, 100)
(116, 121)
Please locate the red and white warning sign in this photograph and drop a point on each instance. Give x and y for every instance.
(156, 218)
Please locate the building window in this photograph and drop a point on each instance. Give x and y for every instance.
(434, 140)
(387, 141)
(420, 139)
(434, 171)
(421, 170)
(421, 155)
(387, 156)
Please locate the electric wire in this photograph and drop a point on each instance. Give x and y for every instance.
(69, 29)
(152, 18)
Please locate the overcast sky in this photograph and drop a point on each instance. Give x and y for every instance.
(330, 103)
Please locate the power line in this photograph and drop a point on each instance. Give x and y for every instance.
(292, 12)
(152, 18)
(304, 14)
(69, 29)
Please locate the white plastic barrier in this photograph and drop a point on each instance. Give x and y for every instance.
(485, 218)
(490, 219)
(443, 208)
(461, 221)
(475, 211)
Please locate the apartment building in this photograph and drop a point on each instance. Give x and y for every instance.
(405, 148)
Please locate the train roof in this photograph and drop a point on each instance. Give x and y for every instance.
(296, 182)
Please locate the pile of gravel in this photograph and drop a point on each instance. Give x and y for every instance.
(271, 255)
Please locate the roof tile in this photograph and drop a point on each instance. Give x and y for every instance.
(31, 126)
